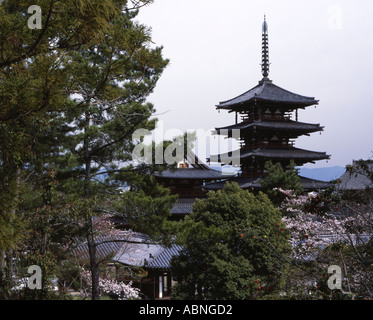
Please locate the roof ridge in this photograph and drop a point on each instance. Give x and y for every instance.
(268, 91)
(262, 86)
(296, 94)
(239, 95)
(263, 122)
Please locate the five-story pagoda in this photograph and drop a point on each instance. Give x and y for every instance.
(267, 131)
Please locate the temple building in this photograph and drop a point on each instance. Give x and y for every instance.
(358, 178)
(187, 181)
(266, 130)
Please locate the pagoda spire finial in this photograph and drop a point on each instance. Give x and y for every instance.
(265, 55)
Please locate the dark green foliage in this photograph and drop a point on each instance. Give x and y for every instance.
(233, 241)
(72, 94)
(111, 81)
(280, 178)
(146, 207)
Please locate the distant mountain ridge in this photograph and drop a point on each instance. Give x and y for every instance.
(322, 174)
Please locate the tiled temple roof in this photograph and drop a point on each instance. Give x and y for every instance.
(280, 153)
(130, 248)
(163, 259)
(147, 254)
(358, 179)
(292, 153)
(267, 91)
(287, 126)
(106, 246)
(183, 206)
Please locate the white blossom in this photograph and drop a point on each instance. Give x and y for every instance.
(310, 232)
(120, 289)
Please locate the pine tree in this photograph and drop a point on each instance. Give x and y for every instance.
(146, 207)
(111, 81)
(280, 178)
(87, 48)
(33, 76)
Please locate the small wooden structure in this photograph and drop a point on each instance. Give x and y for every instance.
(187, 181)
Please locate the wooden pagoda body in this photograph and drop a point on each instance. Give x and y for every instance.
(266, 129)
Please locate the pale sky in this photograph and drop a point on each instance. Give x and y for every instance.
(318, 48)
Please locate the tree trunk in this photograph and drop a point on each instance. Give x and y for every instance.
(2, 269)
(93, 260)
(6, 256)
(2, 261)
(95, 272)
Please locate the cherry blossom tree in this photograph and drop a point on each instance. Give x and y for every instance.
(320, 238)
(111, 287)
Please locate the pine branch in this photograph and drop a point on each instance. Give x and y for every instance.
(31, 52)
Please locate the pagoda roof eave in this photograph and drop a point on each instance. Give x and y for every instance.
(266, 91)
(242, 106)
(278, 154)
(288, 125)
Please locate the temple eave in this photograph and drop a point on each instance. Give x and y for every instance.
(286, 126)
(270, 154)
(243, 105)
